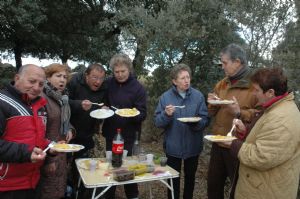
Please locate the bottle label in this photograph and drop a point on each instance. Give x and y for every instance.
(117, 148)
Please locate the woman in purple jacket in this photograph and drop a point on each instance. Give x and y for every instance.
(124, 91)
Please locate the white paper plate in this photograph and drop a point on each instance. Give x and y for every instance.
(85, 164)
(189, 119)
(127, 112)
(67, 147)
(102, 113)
(220, 101)
(219, 138)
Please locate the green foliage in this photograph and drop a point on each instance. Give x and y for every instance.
(84, 31)
(79, 68)
(19, 21)
(77, 30)
(7, 73)
(158, 33)
(261, 24)
(287, 54)
(192, 32)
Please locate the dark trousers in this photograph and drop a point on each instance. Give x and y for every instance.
(190, 168)
(18, 194)
(131, 190)
(221, 166)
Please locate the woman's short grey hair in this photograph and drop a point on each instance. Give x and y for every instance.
(235, 52)
(120, 59)
(178, 68)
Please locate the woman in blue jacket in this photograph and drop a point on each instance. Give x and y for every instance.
(183, 141)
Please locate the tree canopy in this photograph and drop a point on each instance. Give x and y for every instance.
(157, 33)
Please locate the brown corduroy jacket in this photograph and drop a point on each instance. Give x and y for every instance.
(242, 91)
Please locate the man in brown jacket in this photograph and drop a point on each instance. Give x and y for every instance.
(235, 86)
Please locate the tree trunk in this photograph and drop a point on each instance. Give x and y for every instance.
(18, 55)
(139, 58)
(64, 57)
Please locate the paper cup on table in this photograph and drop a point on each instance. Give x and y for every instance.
(163, 161)
(108, 156)
(125, 152)
(93, 165)
(149, 158)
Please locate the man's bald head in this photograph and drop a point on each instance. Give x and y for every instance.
(30, 80)
(25, 67)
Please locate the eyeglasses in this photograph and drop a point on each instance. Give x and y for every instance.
(97, 78)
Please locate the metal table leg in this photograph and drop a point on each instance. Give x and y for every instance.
(169, 186)
(78, 185)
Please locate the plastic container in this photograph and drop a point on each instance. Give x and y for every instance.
(140, 169)
(149, 158)
(121, 175)
(142, 156)
(93, 165)
(163, 161)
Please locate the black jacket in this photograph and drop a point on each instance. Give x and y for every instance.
(130, 94)
(85, 125)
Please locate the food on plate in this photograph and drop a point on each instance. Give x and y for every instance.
(127, 112)
(218, 137)
(220, 101)
(63, 146)
(189, 119)
(67, 147)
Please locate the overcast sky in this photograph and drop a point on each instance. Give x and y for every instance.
(39, 62)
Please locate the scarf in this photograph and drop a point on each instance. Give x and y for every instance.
(62, 100)
(240, 74)
(275, 99)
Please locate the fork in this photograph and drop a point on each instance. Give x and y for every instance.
(49, 146)
(114, 107)
(101, 104)
(179, 106)
(231, 130)
(215, 96)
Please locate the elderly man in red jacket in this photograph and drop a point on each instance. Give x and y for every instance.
(22, 133)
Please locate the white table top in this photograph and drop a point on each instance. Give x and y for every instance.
(103, 176)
